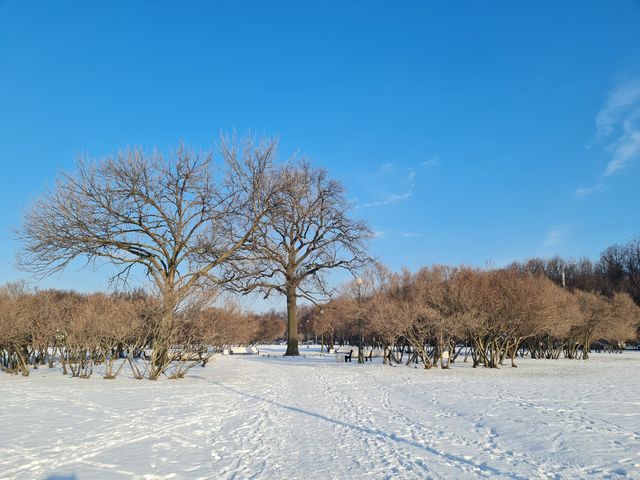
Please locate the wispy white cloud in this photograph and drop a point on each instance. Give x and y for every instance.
(618, 124)
(434, 161)
(625, 149)
(624, 96)
(397, 182)
(390, 233)
(387, 167)
(585, 191)
(402, 173)
(554, 237)
(399, 179)
(391, 198)
(617, 130)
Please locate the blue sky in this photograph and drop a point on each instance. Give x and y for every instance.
(466, 132)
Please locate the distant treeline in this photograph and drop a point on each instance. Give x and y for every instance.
(544, 308)
(108, 331)
(237, 220)
(617, 270)
(540, 308)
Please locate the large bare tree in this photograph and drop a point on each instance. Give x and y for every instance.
(178, 218)
(308, 233)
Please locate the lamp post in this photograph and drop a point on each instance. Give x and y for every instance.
(359, 282)
(321, 333)
(564, 283)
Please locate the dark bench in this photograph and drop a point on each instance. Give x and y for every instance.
(367, 358)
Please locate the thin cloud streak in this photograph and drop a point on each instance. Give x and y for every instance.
(626, 149)
(392, 198)
(617, 130)
(618, 124)
(619, 100)
(403, 177)
(554, 237)
(585, 191)
(434, 161)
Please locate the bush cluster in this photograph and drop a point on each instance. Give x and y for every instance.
(439, 312)
(80, 332)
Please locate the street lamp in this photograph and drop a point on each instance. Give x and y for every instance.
(564, 283)
(359, 282)
(321, 334)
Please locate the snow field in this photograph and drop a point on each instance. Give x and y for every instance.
(307, 418)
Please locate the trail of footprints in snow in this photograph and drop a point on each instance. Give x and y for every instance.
(438, 440)
(234, 453)
(384, 451)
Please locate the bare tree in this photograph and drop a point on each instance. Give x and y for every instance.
(611, 267)
(178, 218)
(271, 326)
(308, 233)
(14, 329)
(625, 320)
(596, 315)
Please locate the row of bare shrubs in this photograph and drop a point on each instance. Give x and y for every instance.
(432, 316)
(81, 332)
(439, 313)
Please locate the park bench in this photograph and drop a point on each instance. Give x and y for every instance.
(348, 357)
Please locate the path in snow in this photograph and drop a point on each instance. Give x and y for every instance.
(307, 418)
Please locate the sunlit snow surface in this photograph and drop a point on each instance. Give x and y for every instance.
(312, 417)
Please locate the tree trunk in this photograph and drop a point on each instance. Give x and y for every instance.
(292, 325)
(513, 353)
(160, 355)
(586, 346)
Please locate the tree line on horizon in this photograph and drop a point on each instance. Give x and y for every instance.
(430, 317)
(546, 307)
(197, 224)
(109, 331)
(438, 313)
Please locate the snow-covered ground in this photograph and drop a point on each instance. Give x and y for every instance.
(308, 418)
